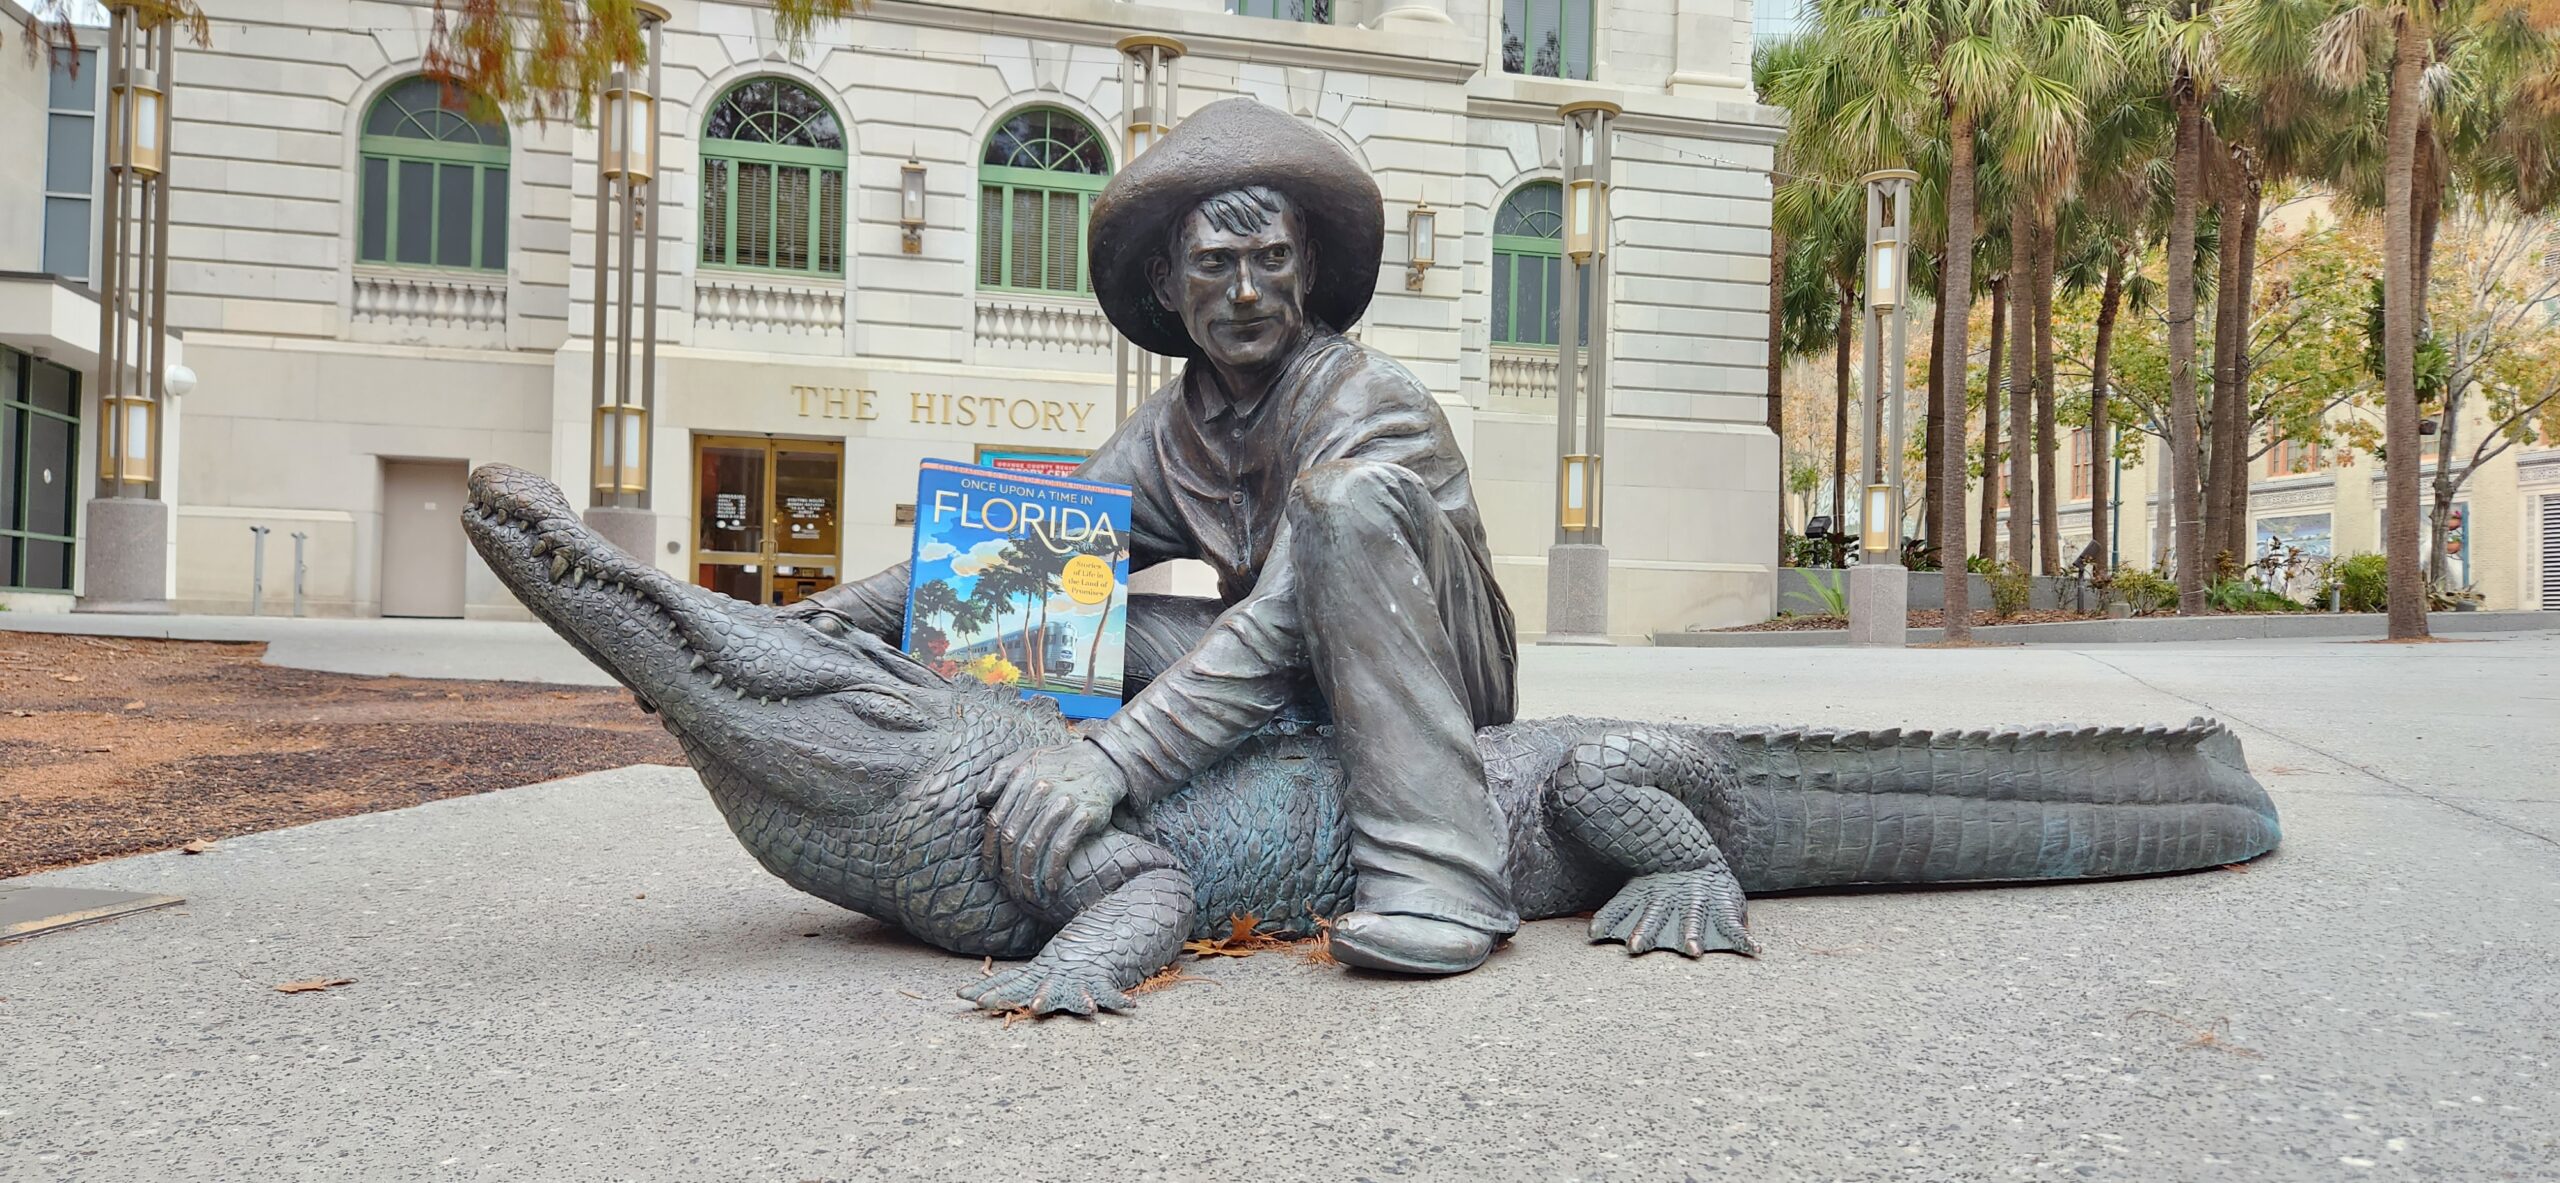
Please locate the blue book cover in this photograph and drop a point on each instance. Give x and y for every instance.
(1022, 579)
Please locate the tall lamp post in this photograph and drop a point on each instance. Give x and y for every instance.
(1150, 84)
(1578, 563)
(626, 257)
(125, 558)
(1879, 589)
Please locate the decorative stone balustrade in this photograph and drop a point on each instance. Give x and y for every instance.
(1523, 375)
(739, 305)
(1049, 326)
(429, 300)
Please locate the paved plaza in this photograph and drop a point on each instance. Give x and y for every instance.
(590, 980)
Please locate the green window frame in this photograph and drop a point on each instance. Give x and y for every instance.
(773, 181)
(1308, 12)
(39, 472)
(1528, 268)
(1548, 38)
(432, 182)
(1036, 183)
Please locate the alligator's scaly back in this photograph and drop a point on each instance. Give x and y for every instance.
(1837, 808)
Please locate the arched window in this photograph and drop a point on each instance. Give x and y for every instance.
(433, 187)
(1528, 266)
(1036, 184)
(773, 180)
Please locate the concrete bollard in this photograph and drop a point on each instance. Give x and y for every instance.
(298, 539)
(257, 568)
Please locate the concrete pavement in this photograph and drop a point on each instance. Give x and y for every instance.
(589, 980)
(513, 650)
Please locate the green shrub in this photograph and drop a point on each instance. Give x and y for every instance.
(2240, 595)
(2011, 590)
(1801, 551)
(1980, 564)
(1830, 596)
(2144, 590)
(2361, 581)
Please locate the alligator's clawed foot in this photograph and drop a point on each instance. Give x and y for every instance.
(1039, 987)
(1688, 912)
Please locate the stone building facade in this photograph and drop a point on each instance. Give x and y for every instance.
(376, 292)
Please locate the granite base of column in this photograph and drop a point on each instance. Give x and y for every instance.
(1577, 595)
(124, 557)
(1879, 604)
(634, 530)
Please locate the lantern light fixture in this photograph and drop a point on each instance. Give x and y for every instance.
(911, 205)
(630, 129)
(1885, 273)
(1586, 234)
(1421, 244)
(1882, 522)
(1573, 493)
(624, 466)
(137, 103)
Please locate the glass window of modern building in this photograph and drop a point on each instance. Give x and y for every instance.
(1549, 38)
(1036, 185)
(39, 471)
(773, 181)
(70, 163)
(434, 181)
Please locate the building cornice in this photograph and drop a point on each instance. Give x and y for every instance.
(1404, 52)
(2538, 468)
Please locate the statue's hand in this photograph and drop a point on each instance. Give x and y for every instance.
(1044, 804)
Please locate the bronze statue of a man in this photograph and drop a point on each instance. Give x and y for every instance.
(1322, 484)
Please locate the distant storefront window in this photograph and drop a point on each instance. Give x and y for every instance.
(1036, 185)
(434, 183)
(1548, 38)
(70, 163)
(773, 181)
(39, 471)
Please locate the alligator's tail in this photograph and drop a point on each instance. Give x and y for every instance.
(1835, 808)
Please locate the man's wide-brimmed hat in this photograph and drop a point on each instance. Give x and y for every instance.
(1233, 144)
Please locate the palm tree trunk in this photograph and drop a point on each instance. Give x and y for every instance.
(2401, 301)
(2243, 319)
(2185, 191)
(1093, 658)
(1777, 373)
(2440, 506)
(1934, 427)
(1840, 338)
(1955, 304)
(2101, 448)
(1992, 391)
(2048, 490)
(2022, 385)
(2223, 435)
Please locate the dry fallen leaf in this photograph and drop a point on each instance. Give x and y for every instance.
(1241, 940)
(133, 706)
(69, 678)
(313, 985)
(199, 846)
(97, 749)
(642, 896)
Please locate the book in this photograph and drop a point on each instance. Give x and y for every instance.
(1022, 579)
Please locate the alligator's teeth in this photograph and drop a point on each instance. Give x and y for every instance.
(762, 699)
(715, 678)
(700, 661)
(581, 579)
(541, 546)
(742, 693)
(559, 567)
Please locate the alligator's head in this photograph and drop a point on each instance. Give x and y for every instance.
(804, 707)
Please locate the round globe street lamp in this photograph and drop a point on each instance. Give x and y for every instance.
(1879, 589)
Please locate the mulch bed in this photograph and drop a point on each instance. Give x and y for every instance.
(1924, 618)
(113, 747)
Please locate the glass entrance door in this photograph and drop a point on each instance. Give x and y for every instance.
(765, 516)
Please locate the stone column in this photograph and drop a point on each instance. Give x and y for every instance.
(1703, 44)
(1414, 12)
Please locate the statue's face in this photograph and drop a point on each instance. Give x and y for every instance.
(1241, 293)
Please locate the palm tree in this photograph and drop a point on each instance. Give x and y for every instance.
(2174, 42)
(936, 598)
